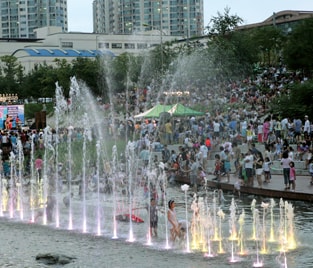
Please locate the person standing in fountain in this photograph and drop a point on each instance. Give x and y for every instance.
(50, 204)
(194, 174)
(50, 207)
(175, 229)
(153, 218)
(144, 155)
(38, 167)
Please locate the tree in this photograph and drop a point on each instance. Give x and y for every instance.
(268, 41)
(298, 51)
(12, 74)
(231, 52)
(223, 24)
(40, 82)
(298, 101)
(88, 70)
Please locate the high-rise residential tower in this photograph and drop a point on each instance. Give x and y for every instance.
(174, 17)
(19, 18)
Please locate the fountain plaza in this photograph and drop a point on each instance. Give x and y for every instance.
(106, 200)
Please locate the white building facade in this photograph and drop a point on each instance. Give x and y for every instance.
(52, 43)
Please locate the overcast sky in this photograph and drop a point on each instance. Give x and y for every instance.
(251, 11)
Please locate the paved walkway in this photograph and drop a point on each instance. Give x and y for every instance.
(277, 183)
(276, 188)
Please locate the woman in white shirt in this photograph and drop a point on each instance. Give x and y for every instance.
(286, 169)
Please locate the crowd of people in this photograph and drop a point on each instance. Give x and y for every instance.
(222, 131)
(217, 136)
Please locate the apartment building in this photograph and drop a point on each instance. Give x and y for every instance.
(19, 19)
(170, 17)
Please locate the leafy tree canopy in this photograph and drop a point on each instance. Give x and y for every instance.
(297, 102)
(223, 24)
(298, 51)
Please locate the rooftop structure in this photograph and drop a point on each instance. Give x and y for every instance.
(285, 20)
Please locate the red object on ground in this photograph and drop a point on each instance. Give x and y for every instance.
(125, 217)
(135, 218)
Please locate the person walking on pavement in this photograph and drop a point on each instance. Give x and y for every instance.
(292, 178)
(285, 161)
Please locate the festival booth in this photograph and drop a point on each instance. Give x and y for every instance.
(164, 112)
(180, 110)
(154, 112)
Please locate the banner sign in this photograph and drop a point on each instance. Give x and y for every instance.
(11, 116)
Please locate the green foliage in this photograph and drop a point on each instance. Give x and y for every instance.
(32, 108)
(231, 52)
(298, 51)
(298, 102)
(11, 75)
(40, 82)
(88, 70)
(223, 24)
(268, 41)
(121, 72)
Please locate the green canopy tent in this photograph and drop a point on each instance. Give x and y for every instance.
(177, 110)
(154, 112)
(181, 110)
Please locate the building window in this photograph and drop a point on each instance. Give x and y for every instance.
(117, 45)
(141, 46)
(129, 46)
(102, 45)
(67, 44)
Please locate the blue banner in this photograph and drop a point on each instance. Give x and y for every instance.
(11, 116)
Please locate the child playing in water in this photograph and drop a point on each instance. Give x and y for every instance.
(220, 195)
(177, 227)
(153, 218)
(237, 186)
(171, 216)
(202, 175)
